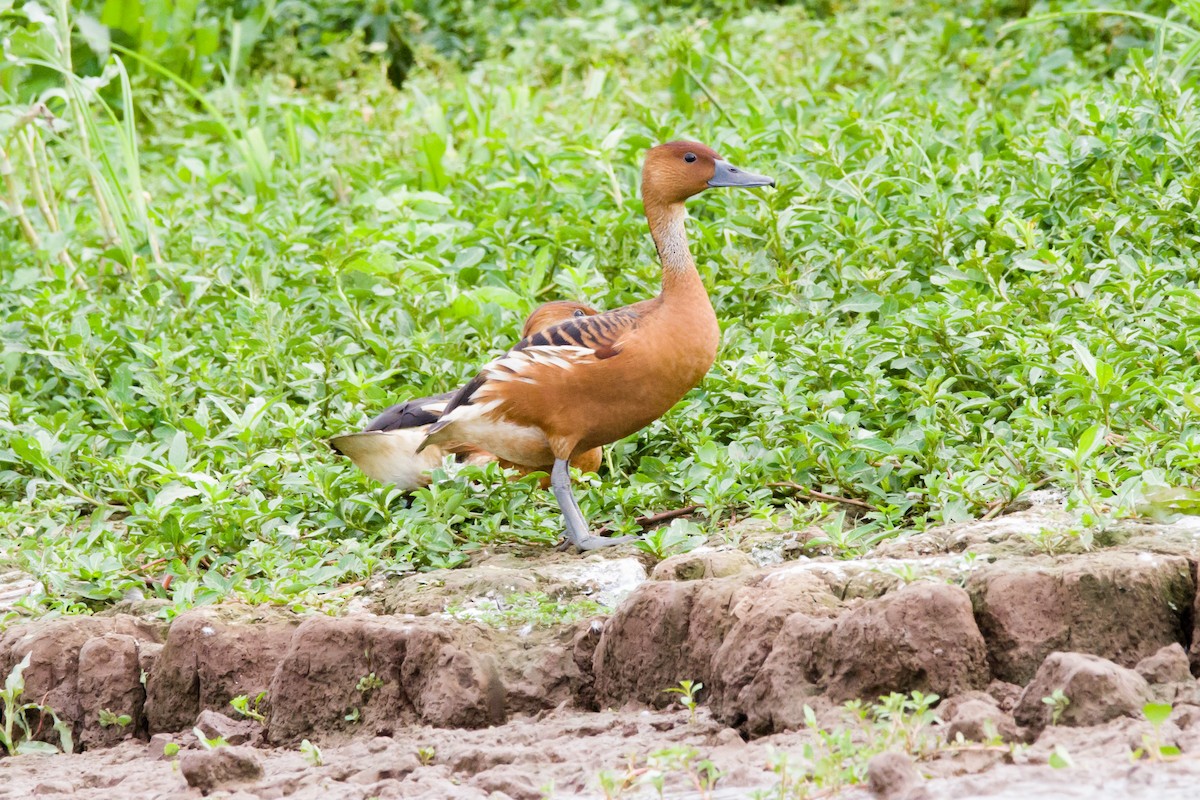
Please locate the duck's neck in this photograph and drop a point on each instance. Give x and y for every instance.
(680, 280)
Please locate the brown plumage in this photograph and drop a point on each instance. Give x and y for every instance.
(386, 449)
(584, 383)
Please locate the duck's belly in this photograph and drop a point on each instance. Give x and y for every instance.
(510, 441)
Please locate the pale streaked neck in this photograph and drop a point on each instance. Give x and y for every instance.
(668, 227)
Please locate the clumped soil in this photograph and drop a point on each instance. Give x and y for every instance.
(443, 685)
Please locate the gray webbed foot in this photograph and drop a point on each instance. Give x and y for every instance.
(577, 533)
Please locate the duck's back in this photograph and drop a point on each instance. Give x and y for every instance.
(411, 413)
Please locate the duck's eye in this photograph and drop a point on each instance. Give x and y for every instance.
(579, 312)
(690, 157)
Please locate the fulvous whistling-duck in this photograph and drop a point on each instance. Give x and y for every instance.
(386, 449)
(584, 383)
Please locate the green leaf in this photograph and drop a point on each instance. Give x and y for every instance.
(14, 683)
(1060, 758)
(496, 294)
(65, 734)
(173, 492)
(1104, 375)
(1157, 713)
(862, 303)
(29, 449)
(38, 43)
(1085, 357)
(1090, 442)
(177, 454)
(32, 747)
(95, 34)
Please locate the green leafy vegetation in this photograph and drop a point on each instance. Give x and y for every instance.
(682, 763)
(976, 276)
(837, 756)
(680, 536)
(833, 759)
(21, 723)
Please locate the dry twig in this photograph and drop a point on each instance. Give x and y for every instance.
(812, 494)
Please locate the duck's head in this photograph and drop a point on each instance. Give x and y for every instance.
(550, 314)
(675, 171)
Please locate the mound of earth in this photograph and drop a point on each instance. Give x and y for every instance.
(458, 684)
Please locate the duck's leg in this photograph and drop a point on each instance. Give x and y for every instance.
(576, 528)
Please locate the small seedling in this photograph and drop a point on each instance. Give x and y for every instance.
(170, 749)
(369, 683)
(614, 784)
(209, 744)
(845, 539)
(311, 753)
(702, 773)
(687, 691)
(906, 720)
(426, 755)
(1048, 541)
(1060, 758)
(907, 573)
(243, 706)
(1058, 703)
(353, 715)
(680, 536)
(705, 775)
(109, 718)
(1152, 743)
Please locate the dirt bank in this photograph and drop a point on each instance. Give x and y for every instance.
(501, 680)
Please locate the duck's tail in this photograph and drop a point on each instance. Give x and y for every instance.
(391, 456)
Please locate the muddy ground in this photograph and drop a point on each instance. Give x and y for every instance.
(475, 684)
